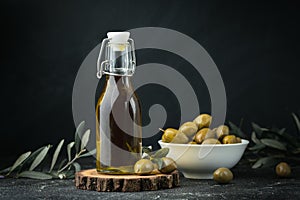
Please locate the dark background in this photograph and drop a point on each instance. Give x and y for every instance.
(254, 44)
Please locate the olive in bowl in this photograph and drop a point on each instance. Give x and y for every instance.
(200, 161)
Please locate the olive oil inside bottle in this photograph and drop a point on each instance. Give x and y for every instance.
(118, 131)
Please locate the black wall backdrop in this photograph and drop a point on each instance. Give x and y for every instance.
(254, 44)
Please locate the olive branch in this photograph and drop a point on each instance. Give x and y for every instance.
(271, 145)
(32, 164)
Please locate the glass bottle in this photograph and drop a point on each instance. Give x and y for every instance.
(118, 114)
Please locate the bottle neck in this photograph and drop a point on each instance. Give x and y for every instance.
(116, 58)
(119, 81)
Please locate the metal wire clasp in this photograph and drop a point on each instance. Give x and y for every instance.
(101, 65)
(106, 62)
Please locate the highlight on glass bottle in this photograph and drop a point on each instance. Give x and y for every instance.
(118, 113)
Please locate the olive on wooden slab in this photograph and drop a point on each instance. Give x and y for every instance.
(168, 165)
(155, 169)
(283, 169)
(222, 131)
(211, 141)
(180, 138)
(223, 175)
(200, 135)
(188, 128)
(143, 166)
(229, 139)
(169, 134)
(203, 121)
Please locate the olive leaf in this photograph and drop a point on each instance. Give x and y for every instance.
(40, 157)
(257, 129)
(161, 153)
(273, 144)
(27, 162)
(72, 175)
(78, 133)
(77, 166)
(257, 147)
(296, 151)
(281, 131)
(56, 153)
(19, 161)
(6, 170)
(158, 161)
(254, 138)
(85, 139)
(236, 130)
(297, 122)
(69, 148)
(35, 175)
(265, 162)
(62, 163)
(30, 159)
(69, 174)
(283, 136)
(90, 153)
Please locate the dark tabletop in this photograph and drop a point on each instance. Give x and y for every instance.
(247, 184)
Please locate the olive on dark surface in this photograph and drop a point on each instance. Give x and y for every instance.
(283, 169)
(223, 175)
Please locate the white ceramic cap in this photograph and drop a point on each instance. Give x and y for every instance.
(118, 37)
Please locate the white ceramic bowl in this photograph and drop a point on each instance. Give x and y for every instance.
(200, 161)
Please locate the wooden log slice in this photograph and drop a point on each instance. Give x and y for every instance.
(91, 180)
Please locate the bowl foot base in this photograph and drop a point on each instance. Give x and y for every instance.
(198, 175)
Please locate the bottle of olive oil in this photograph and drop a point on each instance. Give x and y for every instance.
(118, 114)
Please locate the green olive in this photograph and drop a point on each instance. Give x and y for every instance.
(223, 175)
(222, 131)
(211, 141)
(203, 121)
(283, 169)
(238, 140)
(155, 169)
(211, 134)
(169, 134)
(189, 129)
(200, 135)
(143, 166)
(180, 138)
(229, 139)
(168, 165)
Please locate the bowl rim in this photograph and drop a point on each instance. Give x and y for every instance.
(244, 142)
